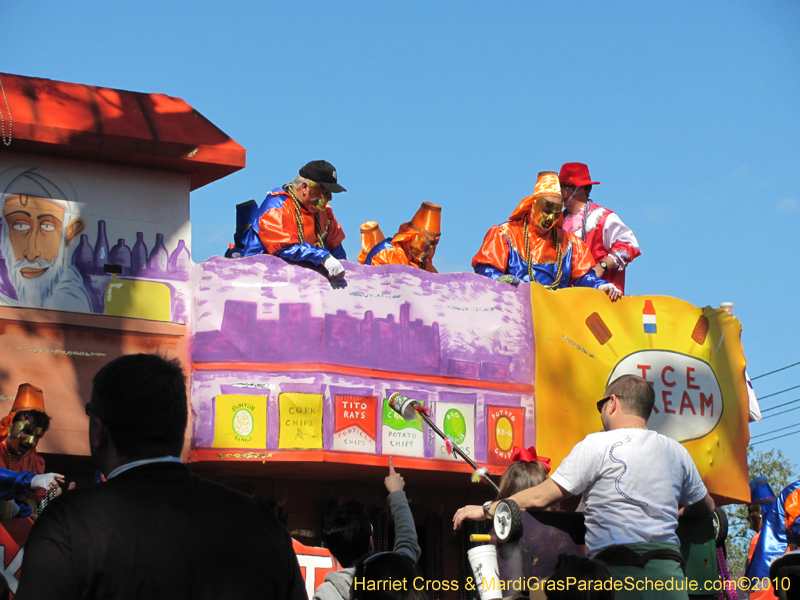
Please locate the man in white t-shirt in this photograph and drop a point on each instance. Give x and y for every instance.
(633, 481)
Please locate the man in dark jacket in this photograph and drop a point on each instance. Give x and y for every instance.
(154, 529)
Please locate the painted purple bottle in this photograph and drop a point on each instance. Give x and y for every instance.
(159, 257)
(121, 255)
(179, 261)
(139, 258)
(100, 254)
(82, 258)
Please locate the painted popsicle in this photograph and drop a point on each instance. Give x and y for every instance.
(649, 320)
(699, 332)
(600, 331)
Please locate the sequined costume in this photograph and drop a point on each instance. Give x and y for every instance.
(604, 234)
(503, 253)
(275, 228)
(779, 533)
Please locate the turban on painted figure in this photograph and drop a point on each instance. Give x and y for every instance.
(39, 224)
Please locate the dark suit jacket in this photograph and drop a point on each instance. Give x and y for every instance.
(159, 531)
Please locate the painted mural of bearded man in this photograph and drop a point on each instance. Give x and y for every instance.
(39, 223)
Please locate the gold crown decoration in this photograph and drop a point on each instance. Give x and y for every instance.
(371, 235)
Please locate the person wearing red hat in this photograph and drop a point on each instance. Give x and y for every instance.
(22, 474)
(531, 245)
(611, 242)
(295, 222)
(415, 243)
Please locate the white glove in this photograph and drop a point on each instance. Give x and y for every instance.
(613, 291)
(333, 266)
(14, 508)
(43, 481)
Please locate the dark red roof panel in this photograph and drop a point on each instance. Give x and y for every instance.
(132, 128)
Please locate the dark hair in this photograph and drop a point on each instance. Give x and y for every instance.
(36, 417)
(141, 399)
(347, 532)
(521, 476)
(635, 394)
(588, 189)
(382, 569)
(580, 568)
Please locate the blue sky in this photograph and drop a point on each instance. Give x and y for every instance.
(685, 111)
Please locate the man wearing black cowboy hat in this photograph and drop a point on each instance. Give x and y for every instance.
(296, 223)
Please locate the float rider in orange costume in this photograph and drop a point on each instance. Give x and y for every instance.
(531, 246)
(23, 470)
(371, 236)
(295, 222)
(414, 244)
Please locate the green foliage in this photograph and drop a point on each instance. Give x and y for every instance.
(780, 473)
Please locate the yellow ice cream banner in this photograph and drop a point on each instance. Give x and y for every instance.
(693, 358)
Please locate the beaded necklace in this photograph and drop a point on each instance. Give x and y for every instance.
(6, 140)
(528, 259)
(320, 243)
(585, 214)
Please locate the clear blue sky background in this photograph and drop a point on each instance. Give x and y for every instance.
(687, 112)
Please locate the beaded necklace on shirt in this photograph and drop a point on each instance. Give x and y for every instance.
(585, 215)
(321, 236)
(528, 258)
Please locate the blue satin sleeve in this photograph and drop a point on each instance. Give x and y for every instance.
(14, 485)
(339, 253)
(772, 542)
(488, 271)
(25, 510)
(589, 280)
(304, 252)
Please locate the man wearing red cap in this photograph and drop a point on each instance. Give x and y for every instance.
(414, 244)
(20, 432)
(295, 221)
(611, 242)
(531, 246)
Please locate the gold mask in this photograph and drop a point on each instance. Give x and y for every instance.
(422, 247)
(23, 437)
(547, 213)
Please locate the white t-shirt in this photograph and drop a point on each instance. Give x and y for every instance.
(632, 482)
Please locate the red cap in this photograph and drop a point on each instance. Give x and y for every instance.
(576, 174)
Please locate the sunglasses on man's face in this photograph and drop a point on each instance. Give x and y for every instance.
(601, 403)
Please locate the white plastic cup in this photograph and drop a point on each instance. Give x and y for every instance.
(483, 560)
(727, 307)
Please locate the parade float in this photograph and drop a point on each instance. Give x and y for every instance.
(290, 372)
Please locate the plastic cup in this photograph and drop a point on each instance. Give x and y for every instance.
(483, 560)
